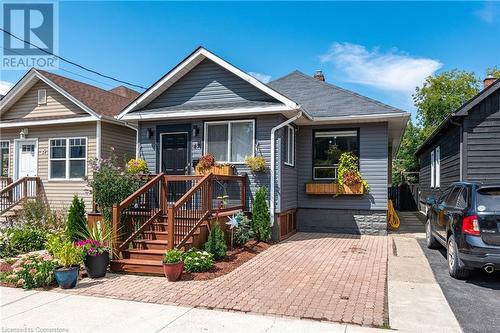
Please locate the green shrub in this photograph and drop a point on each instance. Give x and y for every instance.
(64, 251)
(260, 216)
(77, 222)
(25, 239)
(216, 243)
(36, 212)
(198, 261)
(244, 231)
(32, 271)
(173, 256)
(348, 172)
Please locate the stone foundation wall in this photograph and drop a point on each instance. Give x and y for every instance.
(342, 221)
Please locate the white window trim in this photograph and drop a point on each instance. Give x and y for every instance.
(433, 166)
(437, 156)
(67, 158)
(229, 122)
(44, 102)
(9, 154)
(290, 129)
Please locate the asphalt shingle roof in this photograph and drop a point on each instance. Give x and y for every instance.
(322, 99)
(101, 101)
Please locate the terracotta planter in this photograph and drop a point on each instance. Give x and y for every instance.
(173, 271)
(224, 170)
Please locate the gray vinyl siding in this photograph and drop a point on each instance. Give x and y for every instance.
(120, 138)
(208, 83)
(482, 130)
(373, 166)
(149, 148)
(449, 150)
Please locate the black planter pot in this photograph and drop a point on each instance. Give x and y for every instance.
(96, 265)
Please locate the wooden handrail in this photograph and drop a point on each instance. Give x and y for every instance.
(192, 190)
(193, 229)
(17, 182)
(140, 191)
(8, 196)
(139, 230)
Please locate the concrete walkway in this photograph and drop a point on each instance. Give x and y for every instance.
(44, 311)
(416, 302)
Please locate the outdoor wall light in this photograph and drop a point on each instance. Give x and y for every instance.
(151, 133)
(23, 133)
(196, 130)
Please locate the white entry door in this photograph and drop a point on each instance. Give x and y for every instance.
(27, 159)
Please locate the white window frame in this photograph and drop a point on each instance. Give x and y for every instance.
(437, 156)
(228, 122)
(433, 166)
(290, 146)
(67, 159)
(44, 99)
(9, 156)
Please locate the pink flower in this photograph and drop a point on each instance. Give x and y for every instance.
(17, 269)
(20, 282)
(33, 271)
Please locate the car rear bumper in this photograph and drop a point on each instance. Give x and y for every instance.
(477, 254)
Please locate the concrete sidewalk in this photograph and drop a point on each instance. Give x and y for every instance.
(416, 302)
(58, 312)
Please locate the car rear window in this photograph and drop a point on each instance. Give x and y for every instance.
(489, 197)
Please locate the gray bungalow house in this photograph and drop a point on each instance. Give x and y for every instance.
(207, 105)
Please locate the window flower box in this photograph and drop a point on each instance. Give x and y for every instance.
(333, 189)
(224, 170)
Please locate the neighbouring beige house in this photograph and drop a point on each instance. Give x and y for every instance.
(51, 127)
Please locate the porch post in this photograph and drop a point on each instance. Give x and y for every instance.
(114, 226)
(170, 227)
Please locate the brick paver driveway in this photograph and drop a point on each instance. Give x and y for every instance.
(317, 276)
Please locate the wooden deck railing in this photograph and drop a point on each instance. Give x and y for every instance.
(18, 191)
(185, 201)
(4, 182)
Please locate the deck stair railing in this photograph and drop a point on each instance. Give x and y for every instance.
(18, 191)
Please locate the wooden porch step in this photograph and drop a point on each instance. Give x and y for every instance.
(140, 266)
(149, 254)
(162, 235)
(151, 244)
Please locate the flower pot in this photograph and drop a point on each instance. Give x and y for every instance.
(173, 271)
(353, 189)
(67, 277)
(96, 265)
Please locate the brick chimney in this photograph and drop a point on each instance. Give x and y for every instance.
(488, 80)
(319, 75)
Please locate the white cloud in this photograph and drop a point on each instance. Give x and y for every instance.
(261, 77)
(488, 12)
(390, 71)
(5, 87)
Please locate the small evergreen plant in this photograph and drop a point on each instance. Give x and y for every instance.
(216, 243)
(77, 223)
(260, 216)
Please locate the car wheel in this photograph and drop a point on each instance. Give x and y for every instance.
(430, 240)
(454, 268)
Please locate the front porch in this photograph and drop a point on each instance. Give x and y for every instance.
(171, 211)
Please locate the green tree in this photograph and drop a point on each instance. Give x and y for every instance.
(76, 219)
(493, 71)
(442, 94)
(406, 159)
(216, 243)
(261, 220)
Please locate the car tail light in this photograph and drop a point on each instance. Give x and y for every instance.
(470, 225)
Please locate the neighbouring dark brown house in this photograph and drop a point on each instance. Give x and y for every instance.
(465, 146)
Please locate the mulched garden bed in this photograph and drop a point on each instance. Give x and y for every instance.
(234, 258)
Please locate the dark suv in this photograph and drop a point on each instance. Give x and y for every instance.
(466, 220)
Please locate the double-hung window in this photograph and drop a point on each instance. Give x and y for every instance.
(68, 158)
(230, 141)
(289, 158)
(4, 158)
(328, 145)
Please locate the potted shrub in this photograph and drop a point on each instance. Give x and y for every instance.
(96, 257)
(173, 264)
(69, 258)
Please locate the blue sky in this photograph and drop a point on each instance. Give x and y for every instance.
(379, 49)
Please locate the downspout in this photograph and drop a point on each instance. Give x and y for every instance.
(273, 161)
(98, 139)
(137, 144)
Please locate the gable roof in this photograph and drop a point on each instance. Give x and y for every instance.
(187, 65)
(461, 112)
(321, 99)
(95, 101)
